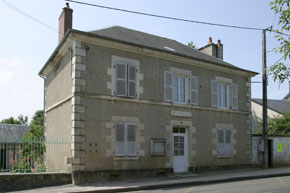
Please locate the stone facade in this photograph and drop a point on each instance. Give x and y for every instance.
(94, 109)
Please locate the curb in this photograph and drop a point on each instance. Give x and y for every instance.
(180, 184)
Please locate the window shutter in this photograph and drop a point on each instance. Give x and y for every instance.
(228, 142)
(234, 89)
(132, 81)
(193, 90)
(221, 142)
(214, 96)
(121, 80)
(168, 79)
(120, 139)
(131, 140)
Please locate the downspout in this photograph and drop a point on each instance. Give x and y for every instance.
(44, 129)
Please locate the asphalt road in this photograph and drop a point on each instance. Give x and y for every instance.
(266, 185)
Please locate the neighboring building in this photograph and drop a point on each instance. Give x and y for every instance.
(9, 138)
(133, 103)
(278, 150)
(276, 108)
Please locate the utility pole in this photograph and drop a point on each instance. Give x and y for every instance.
(265, 106)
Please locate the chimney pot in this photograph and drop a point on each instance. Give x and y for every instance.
(209, 40)
(64, 21)
(219, 42)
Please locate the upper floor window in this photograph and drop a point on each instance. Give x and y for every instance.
(176, 87)
(126, 80)
(224, 95)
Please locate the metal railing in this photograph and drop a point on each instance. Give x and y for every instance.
(33, 155)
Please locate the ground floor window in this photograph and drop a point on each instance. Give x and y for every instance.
(125, 139)
(224, 142)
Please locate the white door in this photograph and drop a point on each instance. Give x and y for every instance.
(180, 163)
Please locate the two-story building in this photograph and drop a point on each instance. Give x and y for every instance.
(133, 103)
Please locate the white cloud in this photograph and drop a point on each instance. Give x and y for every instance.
(11, 62)
(5, 76)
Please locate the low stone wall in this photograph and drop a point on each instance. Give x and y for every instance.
(80, 177)
(15, 182)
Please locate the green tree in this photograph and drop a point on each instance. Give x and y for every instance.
(20, 120)
(281, 70)
(192, 45)
(36, 126)
(278, 125)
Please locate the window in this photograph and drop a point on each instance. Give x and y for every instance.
(178, 89)
(222, 93)
(224, 142)
(176, 86)
(125, 139)
(126, 80)
(158, 146)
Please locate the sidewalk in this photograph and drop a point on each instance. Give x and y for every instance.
(165, 182)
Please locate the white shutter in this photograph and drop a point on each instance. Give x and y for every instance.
(214, 94)
(131, 140)
(221, 142)
(168, 79)
(120, 139)
(228, 142)
(121, 79)
(193, 90)
(234, 89)
(131, 81)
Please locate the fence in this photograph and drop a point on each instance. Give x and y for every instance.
(34, 155)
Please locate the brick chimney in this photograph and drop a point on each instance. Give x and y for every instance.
(213, 49)
(64, 21)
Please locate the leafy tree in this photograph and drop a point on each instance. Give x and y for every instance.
(281, 70)
(277, 125)
(36, 126)
(20, 120)
(191, 45)
(33, 146)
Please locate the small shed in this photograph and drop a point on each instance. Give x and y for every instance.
(278, 150)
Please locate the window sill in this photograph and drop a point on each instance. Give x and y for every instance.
(125, 158)
(225, 156)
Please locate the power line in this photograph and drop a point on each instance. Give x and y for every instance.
(25, 14)
(165, 17)
(279, 60)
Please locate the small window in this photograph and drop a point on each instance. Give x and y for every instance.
(179, 130)
(158, 146)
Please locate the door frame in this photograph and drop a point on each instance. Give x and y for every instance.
(186, 146)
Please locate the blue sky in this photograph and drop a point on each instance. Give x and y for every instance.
(26, 45)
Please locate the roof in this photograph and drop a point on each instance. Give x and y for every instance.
(157, 42)
(146, 40)
(280, 106)
(12, 132)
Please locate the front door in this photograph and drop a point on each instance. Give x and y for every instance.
(180, 163)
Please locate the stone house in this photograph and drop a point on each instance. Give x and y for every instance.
(133, 103)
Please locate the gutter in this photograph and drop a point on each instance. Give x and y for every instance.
(41, 76)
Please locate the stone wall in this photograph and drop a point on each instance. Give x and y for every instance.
(16, 182)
